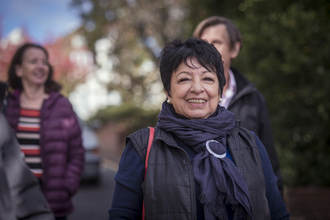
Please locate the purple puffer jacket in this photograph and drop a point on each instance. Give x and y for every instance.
(61, 149)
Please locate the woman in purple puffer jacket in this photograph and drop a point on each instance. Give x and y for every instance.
(46, 127)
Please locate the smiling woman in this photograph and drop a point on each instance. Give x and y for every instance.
(33, 71)
(201, 163)
(46, 127)
(195, 91)
(193, 80)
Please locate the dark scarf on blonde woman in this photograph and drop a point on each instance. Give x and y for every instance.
(220, 182)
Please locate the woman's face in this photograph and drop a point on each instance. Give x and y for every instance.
(194, 91)
(34, 69)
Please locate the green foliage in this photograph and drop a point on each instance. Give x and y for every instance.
(136, 30)
(290, 50)
(285, 53)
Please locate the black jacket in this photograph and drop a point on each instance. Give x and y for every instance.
(250, 108)
(169, 186)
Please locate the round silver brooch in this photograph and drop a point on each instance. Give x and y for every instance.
(221, 156)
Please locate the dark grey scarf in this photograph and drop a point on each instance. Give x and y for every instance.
(219, 179)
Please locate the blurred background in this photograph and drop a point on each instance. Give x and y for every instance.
(105, 55)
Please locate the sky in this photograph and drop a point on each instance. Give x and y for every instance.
(43, 19)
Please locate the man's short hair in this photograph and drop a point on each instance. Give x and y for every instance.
(233, 32)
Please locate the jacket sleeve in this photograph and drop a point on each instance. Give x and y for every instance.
(128, 196)
(266, 137)
(26, 201)
(75, 158)
(276, 205)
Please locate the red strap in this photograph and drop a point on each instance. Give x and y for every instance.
(151, 138)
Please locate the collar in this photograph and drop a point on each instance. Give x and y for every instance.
(49, 102)
(230, 92)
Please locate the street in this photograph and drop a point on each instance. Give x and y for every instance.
(92, 202)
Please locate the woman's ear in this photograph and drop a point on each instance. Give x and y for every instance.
(167, 95)
(235, 51)
(18, 71)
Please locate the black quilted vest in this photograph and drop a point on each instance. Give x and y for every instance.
(169, 187)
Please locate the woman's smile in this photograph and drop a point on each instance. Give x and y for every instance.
(194, 90)
(198, 101)
(34, 68)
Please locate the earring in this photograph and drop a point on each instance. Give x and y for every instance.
(220, 100)
(168, 101)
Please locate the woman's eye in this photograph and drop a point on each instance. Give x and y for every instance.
(209, 79)
(183, 80)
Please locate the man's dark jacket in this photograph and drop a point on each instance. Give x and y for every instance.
(250, 108)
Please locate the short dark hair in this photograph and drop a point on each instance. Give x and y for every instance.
(15, 82)
(233, 32)
(177, 52)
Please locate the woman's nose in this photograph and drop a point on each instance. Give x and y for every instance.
(42, 65)
(197, 86)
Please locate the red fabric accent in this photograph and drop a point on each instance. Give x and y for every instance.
(22, 128)
(31, 151)
(151, 138)
(38, 175)
(29, 112)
